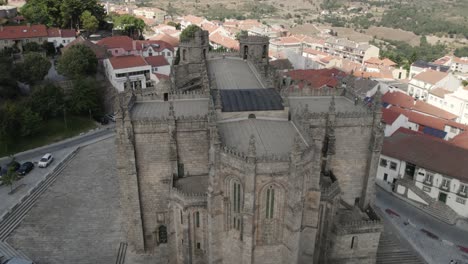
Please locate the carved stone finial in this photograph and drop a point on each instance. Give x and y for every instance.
(252, 148)
(171, 109)
(331, 108)
(378, 99)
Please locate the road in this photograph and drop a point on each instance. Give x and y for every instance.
(75, 141)
(441, 248)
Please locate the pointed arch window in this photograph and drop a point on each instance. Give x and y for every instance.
(270, 211)
(270, 203)
(236, 203)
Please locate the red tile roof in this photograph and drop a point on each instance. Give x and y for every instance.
(406, 101)
(157, 61)
(389, 116)
(429, 153)
(116, 42)
(100, 52)
(427, 120)
(123, 62)
(430, 76)
(166, 38)
(439, 92)
(21, 32)
(157, 45)
(224, 41)
(461, 140)
(64, 33)
(383, 62)
(317, 78)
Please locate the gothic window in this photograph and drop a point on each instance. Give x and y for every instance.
(162, 234)
(265, 52)
(181, 218)
(271, 214)
(270, 203)
(236, 199)
(184, 53)
(354, 241)
(197, 219)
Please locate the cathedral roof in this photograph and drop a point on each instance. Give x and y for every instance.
(251, 100)
(159, 109)
(320, 104)
(271, 137)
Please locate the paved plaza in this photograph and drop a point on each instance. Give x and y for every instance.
(78, 219)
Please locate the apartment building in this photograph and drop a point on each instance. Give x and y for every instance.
(345, 48)
(129, 70)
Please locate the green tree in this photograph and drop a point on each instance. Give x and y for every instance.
(90, 22)
(32, 47)
(9, 178)
(189, 33)
(30, 122)
(465, 83)
(76, 61)
(33, 68)
(174, 24)
(461, 52)
(131, 25)
(8, 87)
(241, 33)
(47, 100)
(85, 97)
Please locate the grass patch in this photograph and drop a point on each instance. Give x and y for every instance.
(52, 131)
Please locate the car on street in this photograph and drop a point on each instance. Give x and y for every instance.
(45, 160)
(25, 168)
(12, 164)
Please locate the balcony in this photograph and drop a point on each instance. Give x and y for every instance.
(463, 194)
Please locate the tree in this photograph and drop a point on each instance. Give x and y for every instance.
(90, 22)
(9, 178)
(33, 68)
(47, 100)
(32, 47)
(131, 25)
(76, 61)
(174, 24)
(241, 33)
(189, 33)
(85, 97)
(30, 122)
(461, 52)
(8, 87)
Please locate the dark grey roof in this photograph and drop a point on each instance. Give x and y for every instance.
(251, 100)
(425, 64)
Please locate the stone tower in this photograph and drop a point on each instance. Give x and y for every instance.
(255, 50)
(191, 68)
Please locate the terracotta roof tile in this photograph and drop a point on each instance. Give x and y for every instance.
(115, 42)
(224, 41)
(100, 52)
(431, 76)
(389, 116)
(123, 62)
(439, 92)
(157, 45)
(429, 153)
(157, 61)
(316, 78)
(383, 62)
(20, 32)
(166, 38)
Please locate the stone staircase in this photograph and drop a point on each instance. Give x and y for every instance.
(391, 251)
(434, 208)
(7, 252)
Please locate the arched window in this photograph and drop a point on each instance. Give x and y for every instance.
(265, 52)
(252, 116)
(236, 203)
(184, 53)
(354, 242)
(162, 234)
(271, 214)
(197, 219)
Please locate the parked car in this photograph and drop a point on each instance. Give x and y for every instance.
(25, 168)
(111, 117)
(12, 164)
(103, 120)
(45, 160)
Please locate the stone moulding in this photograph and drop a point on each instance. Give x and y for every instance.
(356, 227)
(173, 95)
(189, 199)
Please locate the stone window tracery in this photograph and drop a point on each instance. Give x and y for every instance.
(271, 214)
(235, 193)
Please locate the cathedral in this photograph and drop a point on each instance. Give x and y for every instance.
(229, 162)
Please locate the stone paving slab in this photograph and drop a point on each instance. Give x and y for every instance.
(78, 219)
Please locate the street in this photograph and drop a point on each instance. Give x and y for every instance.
(436, 241)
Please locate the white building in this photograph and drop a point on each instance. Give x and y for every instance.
(422, 83)
(159, 65)
(425, 170)
(133, 68)
(459, 64)
(60, 37)
(453, 102)
(150, 13)
(347, 49)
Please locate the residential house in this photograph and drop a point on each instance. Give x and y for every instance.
(159, 65)
(60, 37)
(173, 41)
(422, 83)
(419, 66)
(218, 40)
(100, 52)
(17, 36)
(459, 64)
(393, 121)
(191, 20)
(129, 70)
(153, 13)
(454, 102)
(148, 48)
(348, 49)
(426, 171)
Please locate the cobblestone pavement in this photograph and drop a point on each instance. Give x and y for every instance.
(437, 244)
(78, 219)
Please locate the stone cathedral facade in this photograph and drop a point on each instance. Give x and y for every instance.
(228, 163)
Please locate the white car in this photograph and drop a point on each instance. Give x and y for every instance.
(46, 160)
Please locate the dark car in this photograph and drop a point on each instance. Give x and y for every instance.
(25, 168)
(12, 164)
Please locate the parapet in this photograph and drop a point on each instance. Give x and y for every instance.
(249, 39)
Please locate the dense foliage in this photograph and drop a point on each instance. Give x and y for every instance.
(61, 13)
(78, 60)
(85, 97)
(421, 22)
(189, 33)
(132, 26)
(404, 54)
(90, 22)
(461, 52)
(33, 69)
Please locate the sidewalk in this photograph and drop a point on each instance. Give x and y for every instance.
(25, 185)
(435, 241)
